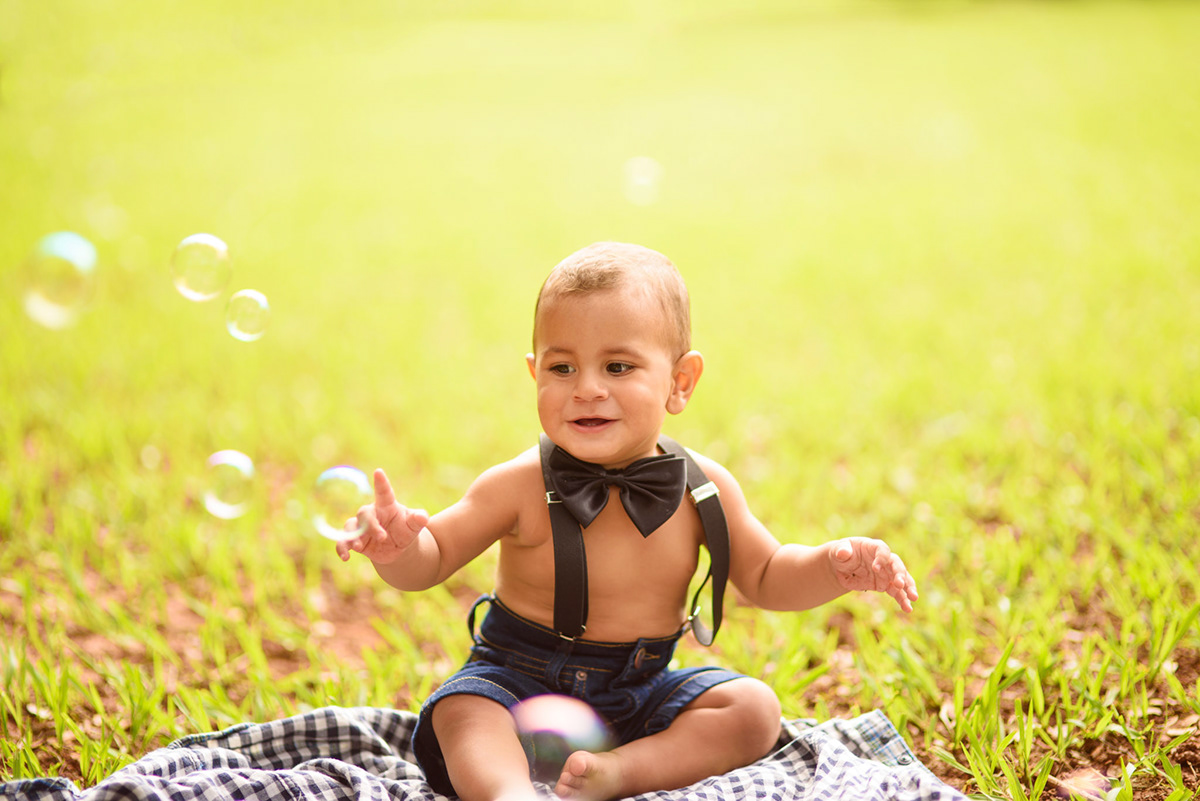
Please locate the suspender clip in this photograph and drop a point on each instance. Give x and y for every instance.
(704, 491)
(550, 500)
(582, 629)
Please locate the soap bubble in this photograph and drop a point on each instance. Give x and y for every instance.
(338, 495)
(1082, 783)
(201, 267)
(230, 481)
(61, 277)
(247, 314)
(552, 727)
(643, 175)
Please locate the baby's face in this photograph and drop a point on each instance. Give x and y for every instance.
(604, 373)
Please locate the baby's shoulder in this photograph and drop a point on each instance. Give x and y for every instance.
(711, 467)
(514, 478)
(716, 473)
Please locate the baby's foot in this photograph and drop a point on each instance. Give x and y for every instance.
(590, 777)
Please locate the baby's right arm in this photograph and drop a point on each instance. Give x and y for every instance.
(412, 551)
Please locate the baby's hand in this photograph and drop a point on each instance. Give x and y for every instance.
(866, 564)
(389, 527)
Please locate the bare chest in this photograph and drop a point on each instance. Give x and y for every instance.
(637, 586)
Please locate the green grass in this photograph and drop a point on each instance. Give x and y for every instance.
(944, 266)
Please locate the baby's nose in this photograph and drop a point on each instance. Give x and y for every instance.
(591, 386)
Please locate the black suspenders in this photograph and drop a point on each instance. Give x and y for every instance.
(570, 560)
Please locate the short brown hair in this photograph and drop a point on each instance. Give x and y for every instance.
(610, 265)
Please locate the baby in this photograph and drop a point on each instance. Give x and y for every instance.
(597, 617)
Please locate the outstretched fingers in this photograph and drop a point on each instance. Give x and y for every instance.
(881, 564)
(384, 528)
(384, 496)
(902, 587)
(387, 509)
(869, 564)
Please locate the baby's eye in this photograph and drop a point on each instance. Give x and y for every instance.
(619, 368)
(561, 369)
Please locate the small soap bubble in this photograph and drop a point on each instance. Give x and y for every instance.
(61, 277)
(151, 457)
(230, 482)
(552, 727)
(1082, 783)
(643, 175)
(201, 267)
(247, 314)
(338, 495)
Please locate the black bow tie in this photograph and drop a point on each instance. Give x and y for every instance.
(651, 488)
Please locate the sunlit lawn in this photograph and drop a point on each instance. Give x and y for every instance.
(944, 267)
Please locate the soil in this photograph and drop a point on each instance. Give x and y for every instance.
(349, 617)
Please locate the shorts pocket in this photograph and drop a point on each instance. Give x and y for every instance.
(513, 660)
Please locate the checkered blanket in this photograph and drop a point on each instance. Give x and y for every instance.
(363, 754)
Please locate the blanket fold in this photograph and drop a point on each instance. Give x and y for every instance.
(363, 754)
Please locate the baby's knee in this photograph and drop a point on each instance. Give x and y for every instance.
(466, 712)
(754, 712)
(763, 709)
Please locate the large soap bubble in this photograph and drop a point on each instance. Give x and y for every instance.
(552, 727)
(230, 483)
(61, 279)
(338, 495)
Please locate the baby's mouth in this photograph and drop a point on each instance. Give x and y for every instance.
(591, 422)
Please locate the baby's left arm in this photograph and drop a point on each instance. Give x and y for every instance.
(795, 577)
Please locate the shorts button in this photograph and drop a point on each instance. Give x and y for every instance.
(580, 675)
(639, 658)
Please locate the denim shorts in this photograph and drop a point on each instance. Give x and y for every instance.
(628, 684)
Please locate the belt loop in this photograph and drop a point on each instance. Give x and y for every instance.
(471, 614)
(554, 668)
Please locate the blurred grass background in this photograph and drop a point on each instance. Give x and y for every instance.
(944, 266)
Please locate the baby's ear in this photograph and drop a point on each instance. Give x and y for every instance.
(687, 372)
(530, 362)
